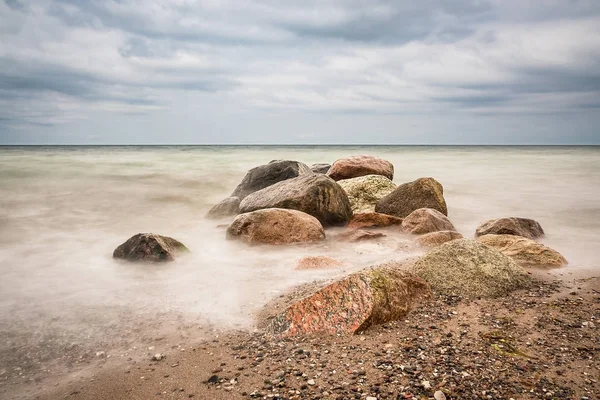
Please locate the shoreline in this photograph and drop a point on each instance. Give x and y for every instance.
(441, 336)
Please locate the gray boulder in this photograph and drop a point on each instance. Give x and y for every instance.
(268, 174)
(320, 168)
(314, 194)
(227, 207)
(408, 197)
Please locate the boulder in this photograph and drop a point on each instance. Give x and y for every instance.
(436, 238)
(511, 226)
(276, 226)
(469, 268)
(365, 191)
(359, 235)
(268, 174)
(318, 262)
(352, 304)
(373, 220)
(227, 207)
(149, 247)
(352, 167)
(408, 197)
(426, 220)
(320, 168)
(314, 194)
(525, 252)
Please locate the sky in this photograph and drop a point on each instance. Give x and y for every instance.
(299, 72)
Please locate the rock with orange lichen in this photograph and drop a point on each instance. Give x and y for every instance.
(318, 262)
(351, 305)
(373, 220)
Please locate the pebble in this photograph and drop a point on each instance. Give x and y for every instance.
(158, 357)
(311, 382)
(439, 395)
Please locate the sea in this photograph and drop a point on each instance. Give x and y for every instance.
(64, 209)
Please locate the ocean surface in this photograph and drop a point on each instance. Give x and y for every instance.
(63, 210)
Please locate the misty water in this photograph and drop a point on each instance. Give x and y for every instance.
(63, 210)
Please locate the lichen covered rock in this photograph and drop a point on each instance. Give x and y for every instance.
(268, 174)
(225, 208)
(149, 247)
(373, 220)
(469, 268)
(525, 252)
(355, 166)
(408, 197)
(353, 304)
(276, 226)
(365, 191)
(436, 238)
(511, 226)
(314, 194)
(426, 220)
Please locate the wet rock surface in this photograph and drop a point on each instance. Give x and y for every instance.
(268, 174)
(352, 167)
(314, 194)
(276, 226)
(149, 247)
(511, 226)
(525, 252)
(408, 197)
(426, 220)
(365, 191)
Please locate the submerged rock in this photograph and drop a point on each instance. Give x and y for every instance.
(314, 194)
(373, 220)
(351, 305)
(359, 235)
(408, 197)
(276, 226)
(318, 262)
(426, 220)
(226, 208)
(469, 268)
(352, 167)
(149, 247)
(523, 251)
(320, 168)
(268, 174)
(365, 191)
(511, 226)
(436, 238)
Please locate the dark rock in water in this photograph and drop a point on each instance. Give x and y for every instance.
(227, 207)
(408, 197)
(353, 167)
(511, 226)
(426, 220)
(466, 267)
(276, 226)
(314, 194)
(359, 235)
(352, 304)
(373, 220)
(149, 247)
(266, 175)
(320, 168)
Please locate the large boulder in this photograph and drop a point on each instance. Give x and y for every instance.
(511, 226)
(426, 220)
(373, 220)
(276, 226)
(365, 191)
(227, 207)
(149, 247)
(320, 168)
(408, 197)
(469, 268)
(268, 174)
(352, 167)
(314, 194)
(352, 304)
(436, 238)
(523, 251)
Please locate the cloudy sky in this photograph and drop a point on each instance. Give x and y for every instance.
(300, 71)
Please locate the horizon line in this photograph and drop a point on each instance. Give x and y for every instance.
(302, 144)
